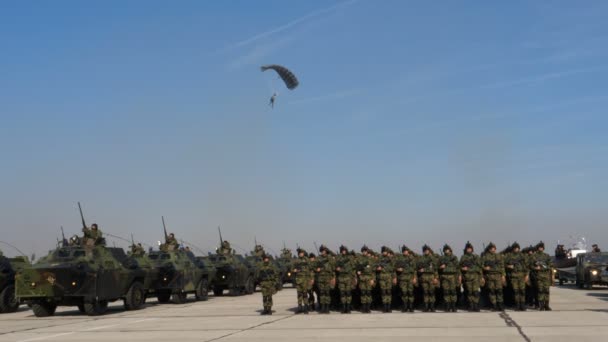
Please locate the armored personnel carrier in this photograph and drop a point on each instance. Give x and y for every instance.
(8, 268)
(179, 274)
(88, 277)
(84, 273)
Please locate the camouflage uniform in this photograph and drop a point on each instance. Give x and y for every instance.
(365, 272)
(92, 236)
(225, 248)
(385, 275)
(304, 278)
(345, 277)
(542, 268)
(267, 275)
(137, 250)
(494, 272)
(449, 271)
(405, 266)
(517, 270)
(324, 278)
(470, 266)
(429, 278)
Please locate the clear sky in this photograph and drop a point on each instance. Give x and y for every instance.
(415, 121)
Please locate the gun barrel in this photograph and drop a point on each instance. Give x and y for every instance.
(84, 225)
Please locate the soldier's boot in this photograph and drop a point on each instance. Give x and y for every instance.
(305, 309)
(343, 309)
(547, 307)
(368, 308)
(541, 306)
(426, 307)
(447, 307)
(300, 309)
(432, 307)
(388, 308)
(270, 310)
(263, 311)
(405, 307)
(349, 308)
(327, 308)
(454, 309)
(411, 306)
(501, 306)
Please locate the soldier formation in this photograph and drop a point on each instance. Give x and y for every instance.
(385, 280)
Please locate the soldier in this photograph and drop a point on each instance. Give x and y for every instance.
(137, 250)
(530, 289)
(286, 253)
(385, 274)
(494, 272)
(345, 278)
(517, 271)
(171, 242)
(93, 234)
(267, 276)
(429, 278)
(470, 266)
(542, 268)
(449, 271)
(366, 281)
(311, 293)
(405, 267)
(324, 279)
(304, 279)
(258, 251)
(225, 248)
(595, 249)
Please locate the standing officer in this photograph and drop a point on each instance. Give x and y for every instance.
(494, 271)
(542, 268)
(267, 275)
(324, 278)
(449, 271)
(429, 278)
(470, 266)
(517, 268)
(405, 266)
(366, 275)
(345, 278)
(304, 279)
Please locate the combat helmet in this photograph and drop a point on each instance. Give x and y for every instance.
(364, 249)
(384, 249)
(323, 248)
(539, 245)
(312, 255)
(447, 247)
(405, 248)
(467, 246)
(301, 250)
(343, 249)
(515, 245)
(426, 247)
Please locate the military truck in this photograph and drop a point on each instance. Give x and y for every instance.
(589, 268)
(88, 277)
(180, 274)
(8, 268)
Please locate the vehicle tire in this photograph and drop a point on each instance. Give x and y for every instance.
(561, 282)
(235, 291)
(98, 307)
(202, 290)
(218, 291)
(44, 309)
(588, 285)
(81, 308)
(250, 286)
(163, 297)
(8, 301)
(179, 298)
(135, 297)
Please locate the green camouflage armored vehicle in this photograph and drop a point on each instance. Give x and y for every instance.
(233, 273)
(179, 274)
(148, 265)
(8, 268)
(88, 277)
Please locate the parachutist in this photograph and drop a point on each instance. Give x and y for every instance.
(272, 99)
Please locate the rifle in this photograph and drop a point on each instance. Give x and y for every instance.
(316, 248)
(84, 225)
(132, 241)
(220, 231)
(164, 227)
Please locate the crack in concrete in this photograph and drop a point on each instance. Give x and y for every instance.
(250, 328)
(510, 322)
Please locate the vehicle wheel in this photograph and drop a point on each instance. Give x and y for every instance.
(202, 290)
(81, 308)
(250, 286)
(163, 297)
(44, 309)
(218, 291)
(179, 298)
(8, 301)
(235, 291)
(588, 284)
(135, 296)
(98, 307)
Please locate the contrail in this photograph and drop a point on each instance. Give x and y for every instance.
(290, 24)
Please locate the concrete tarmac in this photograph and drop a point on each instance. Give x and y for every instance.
(578, 315)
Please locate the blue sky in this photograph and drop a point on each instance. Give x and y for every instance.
(415, 122)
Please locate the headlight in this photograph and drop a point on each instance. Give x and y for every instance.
(73, 283)
(223, 277)
(165, 279)
(554, 271)
(33, 285)
(594, 272)
(289, 274)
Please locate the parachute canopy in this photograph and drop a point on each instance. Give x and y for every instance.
(291, 82)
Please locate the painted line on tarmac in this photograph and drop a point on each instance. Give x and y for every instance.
(46, 337)
(250, 328)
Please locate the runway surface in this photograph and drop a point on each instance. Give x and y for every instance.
(578, 315)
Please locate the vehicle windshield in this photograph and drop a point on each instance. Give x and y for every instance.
(70, 253)
(596, 259)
